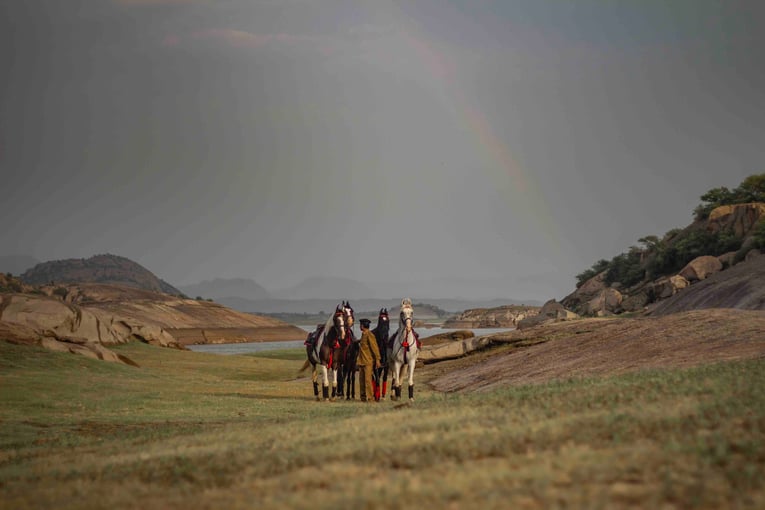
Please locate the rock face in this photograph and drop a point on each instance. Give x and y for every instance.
(701, 267)
(592, 347)
(87, 318)
(595, 298)
(450, 350)
(63, 327)
(741, 286)
(97, 269)
(552, 311)
(738, 218)
(189, 321)
(500, 317)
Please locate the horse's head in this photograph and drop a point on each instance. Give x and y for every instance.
(338, 322)
(406, 316)
(348, 314)
(383, 322)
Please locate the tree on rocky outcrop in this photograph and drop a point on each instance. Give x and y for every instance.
(729, 225)
(751, 189)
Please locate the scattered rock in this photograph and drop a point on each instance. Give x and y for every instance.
(700, 268)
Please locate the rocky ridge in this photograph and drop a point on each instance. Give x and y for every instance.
(500, 317)
(595, 297)
(87, 318)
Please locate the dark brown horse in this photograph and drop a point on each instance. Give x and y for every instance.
(346, 354)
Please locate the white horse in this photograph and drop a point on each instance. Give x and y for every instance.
(403, 350)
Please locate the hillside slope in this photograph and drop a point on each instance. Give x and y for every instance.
(607, 346)
(741, 286)
(97, 269)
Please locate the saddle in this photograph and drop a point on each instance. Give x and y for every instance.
(313, 335)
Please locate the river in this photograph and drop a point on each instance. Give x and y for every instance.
(250, 347)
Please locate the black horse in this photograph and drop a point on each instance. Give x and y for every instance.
(381, 333)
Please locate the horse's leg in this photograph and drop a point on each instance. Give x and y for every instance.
(315, 380)
(384, 371)
(412, 362)
(334, 384)
(324, 382)
(395, 390)
(340, 380)
(349, 383)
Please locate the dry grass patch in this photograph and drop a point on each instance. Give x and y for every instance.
(191, 430)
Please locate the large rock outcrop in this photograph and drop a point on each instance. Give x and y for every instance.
(59, 326)
(87, 318)
(741, 286)
(552, 311)
(499, 317)
(738, 223)
(700, 268)
(739, 219)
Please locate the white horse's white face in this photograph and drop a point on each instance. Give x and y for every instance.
(405, 317)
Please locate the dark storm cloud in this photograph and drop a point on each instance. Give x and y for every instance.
(509, 144)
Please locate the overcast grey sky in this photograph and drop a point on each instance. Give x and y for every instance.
(510, 144)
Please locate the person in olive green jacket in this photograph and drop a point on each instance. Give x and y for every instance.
(368, 361)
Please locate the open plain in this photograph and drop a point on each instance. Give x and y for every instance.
(665, 412)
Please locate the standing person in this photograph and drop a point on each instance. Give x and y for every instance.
(369, 360)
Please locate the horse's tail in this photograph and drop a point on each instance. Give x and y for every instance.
(305, 365)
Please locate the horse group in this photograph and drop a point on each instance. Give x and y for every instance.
(332, 350)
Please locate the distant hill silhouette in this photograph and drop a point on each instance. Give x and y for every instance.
(218, 288)
(16, 264)
(312, 306)
(322, 287)
(105, 268)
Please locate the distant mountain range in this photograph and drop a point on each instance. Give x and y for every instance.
(218, 288)
(315, 306)
(310, 296)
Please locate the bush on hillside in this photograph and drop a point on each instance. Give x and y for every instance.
(625, 268)
(597, 268)
(662, 257)
(758, 235)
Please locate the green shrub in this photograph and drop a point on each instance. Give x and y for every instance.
(595, 270)
(625, 269)
(758, 234)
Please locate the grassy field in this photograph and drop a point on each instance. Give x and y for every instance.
(193, 430)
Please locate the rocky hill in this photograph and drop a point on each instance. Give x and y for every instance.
(86, 318)
(97, 269)
(741, 286)
(639, 281)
